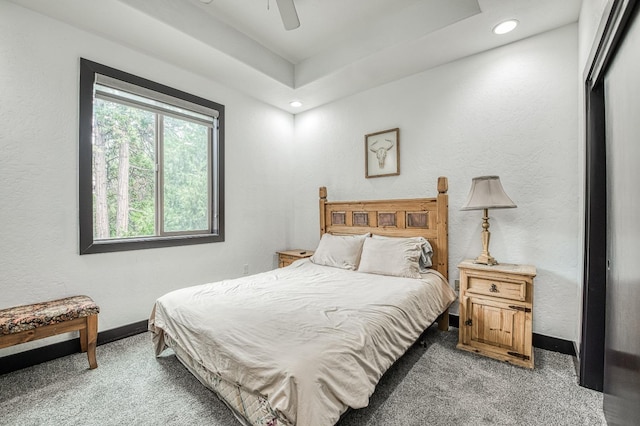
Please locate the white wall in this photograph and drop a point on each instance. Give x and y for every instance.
(512, 112)
(39, 74)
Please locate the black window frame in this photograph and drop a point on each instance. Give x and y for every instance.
(87, 244)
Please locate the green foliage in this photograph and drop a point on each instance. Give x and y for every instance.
(116, 125)
(186, 198)
(186, 203)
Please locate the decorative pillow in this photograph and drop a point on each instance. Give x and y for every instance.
(340, 251)
(398, 257)
(426, 254)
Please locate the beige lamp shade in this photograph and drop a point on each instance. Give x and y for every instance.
(487, 193)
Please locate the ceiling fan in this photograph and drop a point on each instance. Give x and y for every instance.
(288, 14)
(287, 10)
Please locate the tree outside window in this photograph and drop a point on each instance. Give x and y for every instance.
(155, 166)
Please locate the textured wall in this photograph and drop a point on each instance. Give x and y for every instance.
(511, 111)
(39, 71)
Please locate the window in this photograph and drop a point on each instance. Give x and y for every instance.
(151, 164)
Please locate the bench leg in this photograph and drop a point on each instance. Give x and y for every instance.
(88, 340)
(83, 338)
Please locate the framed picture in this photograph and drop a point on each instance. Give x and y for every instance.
(382, 153)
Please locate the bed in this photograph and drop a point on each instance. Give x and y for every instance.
(300, 345)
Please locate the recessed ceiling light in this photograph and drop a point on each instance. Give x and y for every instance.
(206, 1)
(505, 27)
(295, 104)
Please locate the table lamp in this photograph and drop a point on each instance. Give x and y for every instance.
(487, 193)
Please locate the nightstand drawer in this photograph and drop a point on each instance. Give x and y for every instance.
(504, 289)
(286, 260)
(287, 257)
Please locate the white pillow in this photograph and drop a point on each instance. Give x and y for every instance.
(426, 254)
(340, 251)
(397, 257)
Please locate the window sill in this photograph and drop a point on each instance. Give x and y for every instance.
(108, 246)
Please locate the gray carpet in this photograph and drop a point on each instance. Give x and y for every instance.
(434, 384)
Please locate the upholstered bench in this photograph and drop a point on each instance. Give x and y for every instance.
(22, 324)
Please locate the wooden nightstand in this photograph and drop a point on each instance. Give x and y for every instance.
(496, 305)
(287, 257)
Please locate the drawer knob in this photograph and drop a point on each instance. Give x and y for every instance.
(493, 288)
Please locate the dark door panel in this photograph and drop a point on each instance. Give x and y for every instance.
(622, 323)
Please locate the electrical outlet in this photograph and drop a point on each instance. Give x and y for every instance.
(456, 283)
(245, 269)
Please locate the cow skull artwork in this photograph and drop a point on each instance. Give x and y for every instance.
(386, 147)
(381, 150)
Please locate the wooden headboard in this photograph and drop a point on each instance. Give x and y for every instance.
(418, 217)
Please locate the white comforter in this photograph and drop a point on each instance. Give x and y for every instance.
(314, 340)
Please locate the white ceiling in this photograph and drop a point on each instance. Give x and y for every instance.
(328, 24)
(342, 46)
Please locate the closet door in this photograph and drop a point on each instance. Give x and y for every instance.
(622, 325)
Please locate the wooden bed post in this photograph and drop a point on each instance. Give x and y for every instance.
(442, 226)
(323, 201)
(443, 242)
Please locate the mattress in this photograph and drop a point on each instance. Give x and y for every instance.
(306, 341)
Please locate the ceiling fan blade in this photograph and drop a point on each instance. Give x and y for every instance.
(288, 13)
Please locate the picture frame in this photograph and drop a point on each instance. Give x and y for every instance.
(382, 153)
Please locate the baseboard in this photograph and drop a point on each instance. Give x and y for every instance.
(57, 350)
(129, 330)
(454, 320)
(539, 341)
(553, 344)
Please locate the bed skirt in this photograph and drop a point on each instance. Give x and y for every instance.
(250, 408)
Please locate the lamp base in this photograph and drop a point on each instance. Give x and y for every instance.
(485, 259)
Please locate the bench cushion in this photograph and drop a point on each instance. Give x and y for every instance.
(27, 317)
